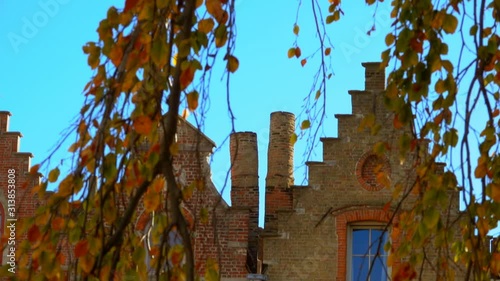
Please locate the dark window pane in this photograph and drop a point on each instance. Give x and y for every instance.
(360, 241)
(359, 268)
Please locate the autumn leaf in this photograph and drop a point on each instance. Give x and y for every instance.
(206, 25)
(151, 201)
(34, 234)
(192, 100)
(130, 4)
(450, 24)
(293, 139)
(176, 254)
(81, 248)
(303, 62)
(328, 51)
(291, 53)
(57, 223)
(232, 64)
(212, 270)
(296, 29)
(34, 169)
(116, 54)
(143, 125)
(86, 263)
(297, 52)
(305, 124)
(53, 175)
(187, 76)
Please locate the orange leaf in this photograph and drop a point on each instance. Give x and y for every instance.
(186, 77)
(397, 123)
(303, 62)
(328, 51)
(151, 201)
(34, 234)
(57, 223)
(192, 100)
(129, 4)
(81, 248)
(116, 54)
(34, 169)
(143, 125)
(158, 184)
(297, 52)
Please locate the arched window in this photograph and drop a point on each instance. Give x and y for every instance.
(359, 232)
(366, 258)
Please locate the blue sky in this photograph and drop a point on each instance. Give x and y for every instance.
(43, 70)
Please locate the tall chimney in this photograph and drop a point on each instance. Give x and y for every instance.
(4, 121)
(374, 76)
(245, 186)
(279, 165)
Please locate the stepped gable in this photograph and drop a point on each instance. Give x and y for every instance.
(16, 200)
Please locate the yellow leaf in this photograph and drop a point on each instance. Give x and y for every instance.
(305, 125)
(185, 113)
(296, 29)
(86, 263)
(291, 53)
(54, 174)
(212, 270)
(206, 25)
(174, 148)
(232, 64)
(293, 139)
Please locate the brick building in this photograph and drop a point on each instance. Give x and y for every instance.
(316, 232)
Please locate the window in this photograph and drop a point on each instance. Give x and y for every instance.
(367, 258)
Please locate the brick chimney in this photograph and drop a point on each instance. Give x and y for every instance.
(245, 186)
(374, 76)
(4, 121)
(279, 165)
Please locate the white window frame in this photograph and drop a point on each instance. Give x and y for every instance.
(362, 225)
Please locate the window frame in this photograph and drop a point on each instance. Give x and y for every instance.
(368, 225)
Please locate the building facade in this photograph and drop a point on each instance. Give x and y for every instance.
(332, 229)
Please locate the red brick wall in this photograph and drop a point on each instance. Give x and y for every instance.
(14, 166)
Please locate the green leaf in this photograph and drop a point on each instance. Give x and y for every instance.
(451, 137)
(431, 218)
